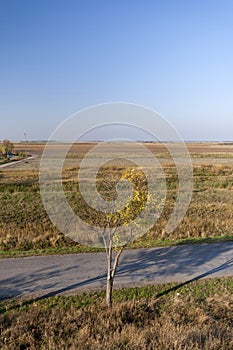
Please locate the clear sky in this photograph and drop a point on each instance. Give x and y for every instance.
(59, 56)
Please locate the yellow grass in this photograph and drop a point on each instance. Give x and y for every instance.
(25, 225)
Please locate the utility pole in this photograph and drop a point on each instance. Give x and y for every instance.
(25, 146)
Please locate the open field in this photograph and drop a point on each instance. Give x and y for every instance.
(208, 147)
(196, 316)
(25, 226)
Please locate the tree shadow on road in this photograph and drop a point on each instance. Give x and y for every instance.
(182, 262)
(224, 266)
(148, 266)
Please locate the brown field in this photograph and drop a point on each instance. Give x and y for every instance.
(194, 316)
(25, 225)
(37, 148)
(197, 316)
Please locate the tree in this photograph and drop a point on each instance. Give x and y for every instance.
(120, 220)
(6, 147)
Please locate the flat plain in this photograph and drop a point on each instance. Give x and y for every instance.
(191, 315)
(25, 227)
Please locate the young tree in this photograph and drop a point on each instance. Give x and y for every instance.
(6, 147)
(116, 227)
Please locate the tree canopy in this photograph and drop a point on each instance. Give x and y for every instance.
(6, 147)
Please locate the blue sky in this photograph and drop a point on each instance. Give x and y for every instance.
(59, 56)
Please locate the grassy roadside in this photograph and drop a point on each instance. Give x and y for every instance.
(17, 253)
(197, 315)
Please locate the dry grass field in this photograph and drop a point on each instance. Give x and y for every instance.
(195, 316)
(25, 226)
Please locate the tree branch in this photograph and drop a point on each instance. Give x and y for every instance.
(116, 261)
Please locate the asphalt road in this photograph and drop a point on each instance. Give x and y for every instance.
(43, 276)
(15, 163)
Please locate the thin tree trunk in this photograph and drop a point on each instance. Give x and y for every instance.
(109, 283)
(111, 274)
(109, 292)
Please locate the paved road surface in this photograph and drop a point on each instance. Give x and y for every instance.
(50, 275)
(15, 163)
